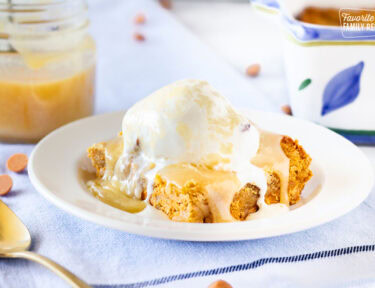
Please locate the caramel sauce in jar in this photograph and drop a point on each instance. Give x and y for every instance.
(47, 68)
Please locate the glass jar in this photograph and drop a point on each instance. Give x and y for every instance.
(47, 67)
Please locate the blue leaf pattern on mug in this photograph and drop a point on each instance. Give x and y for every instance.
(342, 89)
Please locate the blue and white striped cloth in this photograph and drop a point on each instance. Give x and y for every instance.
(337, 254)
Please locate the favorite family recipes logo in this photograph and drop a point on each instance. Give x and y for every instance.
(357, 23)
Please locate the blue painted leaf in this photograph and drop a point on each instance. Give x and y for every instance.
(342, 89)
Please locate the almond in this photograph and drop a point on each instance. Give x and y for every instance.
(253, 70)
(220, 284)
(140, 18)
(286, 109)
(167, 4)
(139, 37)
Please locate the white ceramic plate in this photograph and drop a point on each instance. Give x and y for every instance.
(342, 179)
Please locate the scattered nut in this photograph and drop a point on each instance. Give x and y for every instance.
(287, 109)
(220, 284)
(6, 184)
(253, 70)
(140, 18)
(167, 4)
(17, 162)
(139, 37)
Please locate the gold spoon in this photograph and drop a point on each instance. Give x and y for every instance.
(15, 240)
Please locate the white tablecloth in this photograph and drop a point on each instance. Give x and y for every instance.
(128, 71)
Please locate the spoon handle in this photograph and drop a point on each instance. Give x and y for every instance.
(69, 277)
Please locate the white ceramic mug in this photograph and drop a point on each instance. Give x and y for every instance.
(331, 77)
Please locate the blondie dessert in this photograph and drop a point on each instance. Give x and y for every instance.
(187, 152)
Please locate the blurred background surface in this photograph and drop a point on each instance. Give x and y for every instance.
(242, 36)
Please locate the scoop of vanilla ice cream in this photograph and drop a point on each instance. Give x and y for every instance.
(188, 121)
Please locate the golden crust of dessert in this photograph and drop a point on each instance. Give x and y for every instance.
(245, 202)
(273, 188)
(299, 172)
(97, 155)
(188, 204)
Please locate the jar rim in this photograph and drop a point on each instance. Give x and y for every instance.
(32, 20)
(40, 17)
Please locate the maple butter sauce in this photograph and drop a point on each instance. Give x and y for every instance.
(107, 189)
(219, 186)
(47, 67)
(271, 156)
